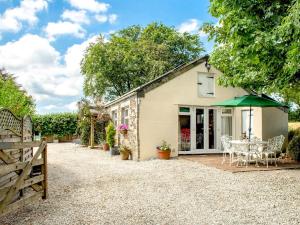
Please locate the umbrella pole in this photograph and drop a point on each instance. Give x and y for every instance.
(250, 124)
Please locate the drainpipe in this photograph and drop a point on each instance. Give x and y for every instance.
(138, 127)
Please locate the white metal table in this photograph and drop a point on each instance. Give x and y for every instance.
(243, 148)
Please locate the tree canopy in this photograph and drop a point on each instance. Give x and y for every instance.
(13, 97)
(257, 45)
(134, 56)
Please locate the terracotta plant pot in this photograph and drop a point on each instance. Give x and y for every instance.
(163, 154)
(124, 132)
(105, 147)
(124, 155)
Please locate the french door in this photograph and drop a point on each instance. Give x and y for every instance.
(198, 130)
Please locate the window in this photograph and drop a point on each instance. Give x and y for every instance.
(114, 116)
(206, 85)
(226, 122)
(184, 109)
(245, 123)
(125, 115)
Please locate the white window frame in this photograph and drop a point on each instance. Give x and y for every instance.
(247, 111)
(123, 117)
(114, 116)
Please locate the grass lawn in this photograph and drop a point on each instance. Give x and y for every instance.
(294, 125)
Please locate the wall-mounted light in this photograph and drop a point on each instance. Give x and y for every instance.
(208, 66)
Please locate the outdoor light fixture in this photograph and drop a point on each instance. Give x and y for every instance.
(208, 66)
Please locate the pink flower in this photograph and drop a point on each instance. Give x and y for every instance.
(122, 127)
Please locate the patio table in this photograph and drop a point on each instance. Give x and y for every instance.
(241, 147)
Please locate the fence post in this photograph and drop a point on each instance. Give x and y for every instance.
(45, 172)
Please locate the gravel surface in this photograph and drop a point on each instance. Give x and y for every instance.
(90, 187)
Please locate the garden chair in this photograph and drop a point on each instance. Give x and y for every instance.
(254, 153)
(274, 148)
(227, 148)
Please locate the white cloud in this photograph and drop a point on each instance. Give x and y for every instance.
(72, 106)
(74, 56)
(190, 26)
(90, 5)
(64, 28)
(49, 107)
(29, 51)
(101, 18)
(112, 18)
(47, 75)
(11, 20)
(75, 16)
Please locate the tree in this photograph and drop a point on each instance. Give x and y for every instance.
(134, 56)
(258, 45)
(13, 97)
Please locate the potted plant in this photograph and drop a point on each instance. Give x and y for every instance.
(55, 138)
(110, 138)
(125, 152)
(105, 146)
(123, 129)
(164, 151)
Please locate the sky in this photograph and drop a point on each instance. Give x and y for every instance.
(42, 41)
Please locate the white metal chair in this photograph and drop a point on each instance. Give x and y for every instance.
(254, 153)
(227, 148)
(274, 147)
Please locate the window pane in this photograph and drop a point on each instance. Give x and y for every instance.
(184, 109)
(245, 123)
(226, 111)
(185, 132)
(200, 128)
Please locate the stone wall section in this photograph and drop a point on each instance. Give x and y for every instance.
(130, 139)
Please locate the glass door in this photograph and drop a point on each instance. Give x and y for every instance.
(212, 129)
(185, 129)
(200, 128)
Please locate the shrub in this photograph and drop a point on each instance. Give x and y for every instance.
(294, 148)
(60, 124)
(110, 134)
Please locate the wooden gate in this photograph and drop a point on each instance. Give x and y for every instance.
(23, 167)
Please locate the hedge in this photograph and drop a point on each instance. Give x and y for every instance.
(60, 124)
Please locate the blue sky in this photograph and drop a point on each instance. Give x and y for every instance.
(42, 41)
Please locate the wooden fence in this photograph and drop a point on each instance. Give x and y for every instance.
(23, 163)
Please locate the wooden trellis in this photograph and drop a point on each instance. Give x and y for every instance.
(23, 169)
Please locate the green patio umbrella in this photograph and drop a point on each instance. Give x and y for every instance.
(251, 101)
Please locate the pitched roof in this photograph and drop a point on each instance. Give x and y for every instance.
(161, 79)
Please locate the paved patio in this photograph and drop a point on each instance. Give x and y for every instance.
(215, 160)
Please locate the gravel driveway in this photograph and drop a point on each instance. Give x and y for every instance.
(89, 187)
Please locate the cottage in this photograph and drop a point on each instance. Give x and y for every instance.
(177, 107)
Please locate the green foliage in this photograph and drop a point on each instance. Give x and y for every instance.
(134, 56)
(60, 124)
(110, 134)
(164, 146)
(294, 148)
(84, 122)
(294, 115)
(257, 45)
(13, 97)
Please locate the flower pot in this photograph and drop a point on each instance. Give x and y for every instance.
(124, 155)
(124, 132)
(55, 141)
(105, 147)
(114, 151)
(163, 154)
